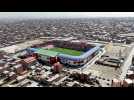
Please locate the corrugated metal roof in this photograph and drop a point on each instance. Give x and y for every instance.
(47, 52)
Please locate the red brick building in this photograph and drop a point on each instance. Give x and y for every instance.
(28, 62)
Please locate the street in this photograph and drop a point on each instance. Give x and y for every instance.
(127, 62)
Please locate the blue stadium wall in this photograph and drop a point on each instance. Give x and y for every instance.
(75, 60)
(79, 60)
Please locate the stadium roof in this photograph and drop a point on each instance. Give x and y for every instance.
(32, 49)
(47, 52)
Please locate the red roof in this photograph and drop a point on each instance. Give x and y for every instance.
(30, 59)
(57, 66)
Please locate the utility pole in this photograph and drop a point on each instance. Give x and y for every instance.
(120, 53)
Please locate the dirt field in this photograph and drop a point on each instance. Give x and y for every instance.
(105, 71)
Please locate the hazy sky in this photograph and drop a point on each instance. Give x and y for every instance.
(64, 14)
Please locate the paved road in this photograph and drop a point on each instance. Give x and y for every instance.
(90, 63)
(127, 62)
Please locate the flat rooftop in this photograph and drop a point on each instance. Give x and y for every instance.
(127, 34)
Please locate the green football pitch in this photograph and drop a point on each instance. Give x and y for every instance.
(67, 51)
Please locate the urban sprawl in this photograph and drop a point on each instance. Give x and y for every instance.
(88, 52)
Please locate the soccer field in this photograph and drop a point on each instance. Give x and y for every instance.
(67, 51)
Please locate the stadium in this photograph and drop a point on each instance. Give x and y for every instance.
(72, 53)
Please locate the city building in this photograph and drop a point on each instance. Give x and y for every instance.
(28, 62)
(19, 69)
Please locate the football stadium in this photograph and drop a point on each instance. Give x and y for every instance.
(72, 53)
